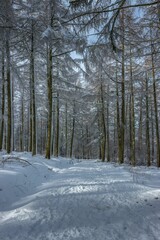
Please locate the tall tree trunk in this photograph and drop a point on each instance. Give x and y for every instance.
(30, 120)
(13, 141)
(34, 140)
(42, 129)
(118, 117)
(147, 127)
(132, 115)
(50, 87)
(49, 90)
(87, 137)
(66, 130)
(99, 143)
(140, 126)
(56, 145)
(108, 139)
(152, 128)
(28, 129)
(127, 116)
(5, 135)
(22, 127)
(115, 138)
(103, 124)
(155, 107)
(73, 130)
(130, 127)
(121, 156)
(3, 102)
(9, 98)
(82, 141)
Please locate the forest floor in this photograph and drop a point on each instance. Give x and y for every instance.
(62, 199)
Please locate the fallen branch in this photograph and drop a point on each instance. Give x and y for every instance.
(10, 158)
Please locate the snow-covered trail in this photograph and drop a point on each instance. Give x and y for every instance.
(86, 200)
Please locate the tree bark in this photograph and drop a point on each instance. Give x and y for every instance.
(118, 117)
(147, 127)
(34, 140)
(56, 146)
(155, 102)
(133, 160)
(103, 124)
(108, 138)
(3, 102)
(22, 127)
(66, 130)
(49, 90)
(50, 87)
(121, 154)
(140, 125)
(152, 128)
(9, 98)
(73, 129)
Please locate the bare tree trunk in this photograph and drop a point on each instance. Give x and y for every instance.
(140, 127)
(147, 127)
(56, 145)
(152, 128)
(34, 140)
(87, 136)
(130, 128)
(66, 130)
(41, 148)
(3, 102)
(49, 88)
(99, 144)
(73, 129)
(127, 116)
(30, 120)
(114, 140)
(103, 125)
(9, 113)
(155, 108)
(28, 128)
(5, 135)
(108, 139)
(132, 116)
(22, 127)
(82, 141)
(13, 142)
(121, 156)
(118, 118)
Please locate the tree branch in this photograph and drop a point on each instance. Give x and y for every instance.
(114, 9)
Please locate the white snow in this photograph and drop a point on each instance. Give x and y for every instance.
(69, 199)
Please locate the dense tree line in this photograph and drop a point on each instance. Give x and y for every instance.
(81, 79)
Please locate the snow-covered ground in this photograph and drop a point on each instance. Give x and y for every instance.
(67, 199)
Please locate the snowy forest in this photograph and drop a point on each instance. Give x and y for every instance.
(80, 79)
(79, 120)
